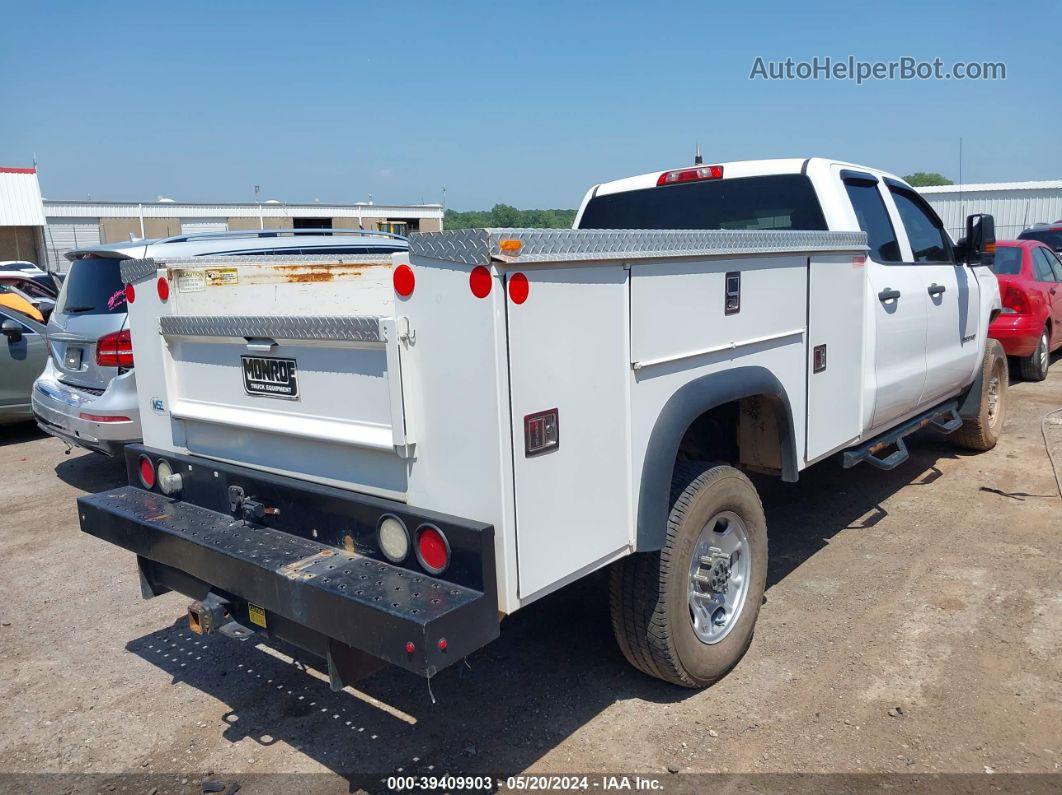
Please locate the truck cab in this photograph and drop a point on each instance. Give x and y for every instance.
(925, 313)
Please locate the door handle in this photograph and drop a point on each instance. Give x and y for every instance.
(888, 294)
(936, 289)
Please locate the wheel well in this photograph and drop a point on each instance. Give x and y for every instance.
(742, 432)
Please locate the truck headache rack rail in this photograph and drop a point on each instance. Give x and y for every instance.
(480, 246)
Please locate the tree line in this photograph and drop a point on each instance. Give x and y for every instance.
(505, 215)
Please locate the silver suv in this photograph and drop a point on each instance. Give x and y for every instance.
(86, 395)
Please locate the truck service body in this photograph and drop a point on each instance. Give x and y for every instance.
(376, 458)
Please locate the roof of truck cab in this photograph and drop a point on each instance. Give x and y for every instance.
(733, 169)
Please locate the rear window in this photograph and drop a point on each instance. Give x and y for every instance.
(778, 201)
(1008, 261)
(1050, 237)
(92, 287)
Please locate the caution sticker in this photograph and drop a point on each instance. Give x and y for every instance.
(191, 281)
(223, 277)
(257, 615)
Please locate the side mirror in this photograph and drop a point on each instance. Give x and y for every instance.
(12, 329)
(980, 240)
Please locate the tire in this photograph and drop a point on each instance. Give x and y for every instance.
(982, 431)
(649, 591)
(1034, 368)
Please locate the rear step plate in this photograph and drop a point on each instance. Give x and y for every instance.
(368, 604)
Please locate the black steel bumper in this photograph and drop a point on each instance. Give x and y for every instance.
(346, 606)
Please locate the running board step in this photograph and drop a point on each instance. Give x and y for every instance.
(944, 418)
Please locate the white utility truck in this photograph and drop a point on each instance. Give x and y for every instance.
(378, 458)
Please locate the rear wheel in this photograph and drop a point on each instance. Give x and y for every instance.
(686, 614)
(1034, 368)
(982, 431)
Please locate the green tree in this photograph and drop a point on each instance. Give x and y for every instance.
(507, 215)
(922, 179)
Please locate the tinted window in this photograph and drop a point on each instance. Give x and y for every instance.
(1051, 238)
(1056, 264)
(1042, 266)
(1008, 261)
(874, 219)
(92, 287)
(782, 201)
(28, 286)
(929, 243)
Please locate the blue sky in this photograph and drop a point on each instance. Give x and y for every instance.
(524, 103)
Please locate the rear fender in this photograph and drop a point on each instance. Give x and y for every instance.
(681, 409)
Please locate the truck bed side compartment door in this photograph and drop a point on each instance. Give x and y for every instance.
(568, 352)
(836, 306)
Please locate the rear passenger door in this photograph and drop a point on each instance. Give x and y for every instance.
(1047, 269)
(896, 308)
(949, 290)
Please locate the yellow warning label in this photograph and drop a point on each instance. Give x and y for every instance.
(257, 614)
(220, 277)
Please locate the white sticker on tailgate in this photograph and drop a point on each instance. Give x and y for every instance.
(191, 281)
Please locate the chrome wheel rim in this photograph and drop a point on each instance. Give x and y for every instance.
(718, 581)
(1045, 355)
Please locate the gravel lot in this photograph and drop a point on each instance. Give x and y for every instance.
(913, 623)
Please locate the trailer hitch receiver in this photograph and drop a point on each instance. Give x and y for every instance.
(209, 615)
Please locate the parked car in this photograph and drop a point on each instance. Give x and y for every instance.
(1051, 234)
(23, 353)
(27, 271)
(87, 392)
(1030, 287)
(18, 301)
(33, 293)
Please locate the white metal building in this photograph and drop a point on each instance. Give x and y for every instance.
(1015, 205)
(21, 215)
(75, 224)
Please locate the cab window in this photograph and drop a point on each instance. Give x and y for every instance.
(873, 219)
(929, 241)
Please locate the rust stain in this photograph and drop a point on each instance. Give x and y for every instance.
(311, 273)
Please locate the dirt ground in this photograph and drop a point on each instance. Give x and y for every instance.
(913, 623)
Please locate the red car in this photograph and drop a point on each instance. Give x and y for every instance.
(1030, 286)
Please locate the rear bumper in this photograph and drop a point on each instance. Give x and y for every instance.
(340, 604)
(58, 408)
(1019, 334)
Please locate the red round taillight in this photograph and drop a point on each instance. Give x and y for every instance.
(479, 281)
(518, 288)
(130, 293)
(147, 472)
(433, 550)
(164, 288)
(404, 281)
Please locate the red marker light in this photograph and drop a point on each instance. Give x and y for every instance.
(130, 293)
(479, 281)
(147, 472)
(404, 281)
(518, 288)
(410, 647)
(442, 644)
(164, 288)
(433, 550)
